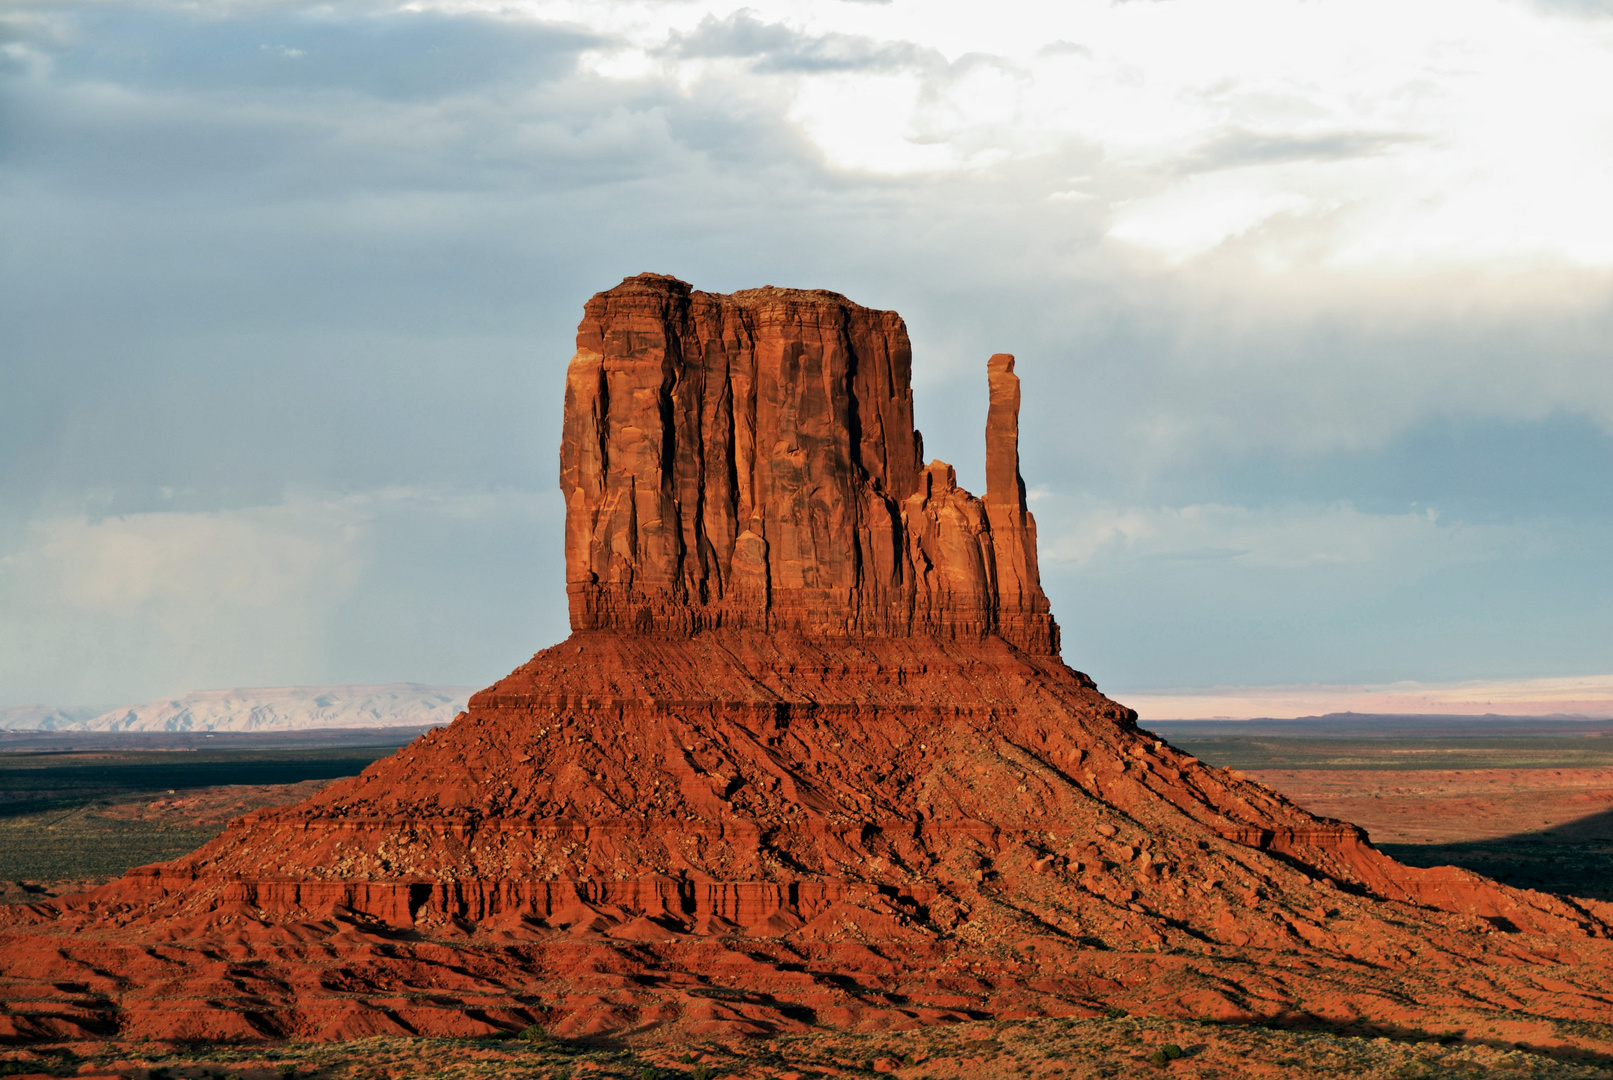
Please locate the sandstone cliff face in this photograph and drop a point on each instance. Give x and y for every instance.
(750, 462)
(809, 757)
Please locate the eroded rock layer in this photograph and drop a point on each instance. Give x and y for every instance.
(809, 757)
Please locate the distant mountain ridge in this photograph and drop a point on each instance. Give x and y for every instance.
(288, 708)
(45, 717)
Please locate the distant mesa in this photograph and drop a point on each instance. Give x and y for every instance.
(809, 757)
(294, 708)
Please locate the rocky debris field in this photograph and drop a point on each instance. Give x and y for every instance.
(1101, 1047)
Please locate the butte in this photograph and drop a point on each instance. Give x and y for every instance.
(809, 757)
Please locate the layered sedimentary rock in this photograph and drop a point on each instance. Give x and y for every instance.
(750, 462)
(809, 757)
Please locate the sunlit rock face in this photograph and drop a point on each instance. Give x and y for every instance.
(749, 461)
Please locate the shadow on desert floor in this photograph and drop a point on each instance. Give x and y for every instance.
(1571, 859)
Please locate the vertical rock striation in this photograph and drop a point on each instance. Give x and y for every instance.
(749, 461)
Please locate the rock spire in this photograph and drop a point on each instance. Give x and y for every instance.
(749, 461)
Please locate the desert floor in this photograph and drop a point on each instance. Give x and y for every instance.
(1116, 1047)
(1530, 806)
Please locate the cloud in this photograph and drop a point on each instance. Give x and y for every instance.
(1154, 597)
(246, 560)
(312, 209)
(778, 48)
(158, 603)
(301, 48)
(1065, 48)
(1237, 148)
(1579, 8)
(202, 598)
(1245, 274)
(1084, 536)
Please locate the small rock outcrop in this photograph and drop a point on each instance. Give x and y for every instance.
(810, 756)
(749, 462)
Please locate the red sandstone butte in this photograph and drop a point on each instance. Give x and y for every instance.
(810, 756)
(749, 462)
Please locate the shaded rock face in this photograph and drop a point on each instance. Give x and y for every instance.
(750, 462)
(809, 757)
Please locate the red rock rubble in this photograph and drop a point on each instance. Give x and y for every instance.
(809, 757)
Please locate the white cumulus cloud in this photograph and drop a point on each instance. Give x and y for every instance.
(1448, 132)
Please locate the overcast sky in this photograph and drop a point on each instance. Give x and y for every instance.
(1313, 304)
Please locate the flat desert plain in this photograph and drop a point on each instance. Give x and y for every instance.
(1529, 803)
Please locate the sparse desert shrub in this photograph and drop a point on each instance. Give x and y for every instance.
(701, 1072)
(647, 1073)
(1164, 1055)
(286, 1070)
(533, 1033)
(50, 1067)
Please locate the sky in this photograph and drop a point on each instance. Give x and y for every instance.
(1313, 306)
